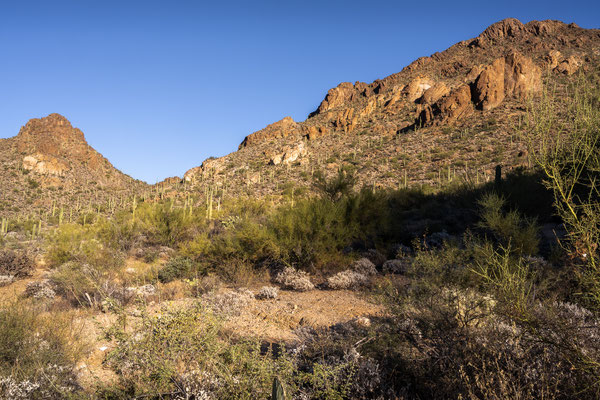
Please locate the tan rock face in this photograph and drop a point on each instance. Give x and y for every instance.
(337, 97)
(449, 109)
(289, 154)
(456, 105)
(474, 73)
(522, 77)
(44, 164)
(488, 90)
(276, 130)
(314, 132)
(568, 66)
(346, 120)
(553, 58)
(54, 136)
(514, 75)
(417, 87)
(209, 167)
(434, 93)
(509, 27)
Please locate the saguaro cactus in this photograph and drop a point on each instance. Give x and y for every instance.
(278, 392)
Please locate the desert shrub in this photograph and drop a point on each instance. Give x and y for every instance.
(204, 284)
(85, 285)
(43, 289)
(293, 279)
(452, 343)
(247, 240)
(238, 272)
(16, 264)
(346, 280)
(397, 266)
(563, 134)
(267, 292)
(508, 227)
(176, 268)
(313, 231)
(506, 275)
(164, 224)
(71, 242)
(231, 302)
(364, 266)
(338, 186)
(180, 353)
(38, 353)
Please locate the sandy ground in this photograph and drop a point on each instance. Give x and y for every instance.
(273, 320)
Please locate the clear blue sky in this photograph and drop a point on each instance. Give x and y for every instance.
(158, 86)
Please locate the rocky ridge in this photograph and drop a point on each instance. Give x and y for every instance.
(475, 91)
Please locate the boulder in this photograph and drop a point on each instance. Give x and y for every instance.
(434, 93)
(44, 164)
(455, 106)
(568, 66)
(315, 132)
(553, 58)
(417, 87)
(289, 155)
(488, 89)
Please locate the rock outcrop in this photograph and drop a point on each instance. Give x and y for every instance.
(568, 66)
(522, 77)
(289, 154)
(488, 90)
(44, 164)
(511, 76)
(339, 96)
(280, 129)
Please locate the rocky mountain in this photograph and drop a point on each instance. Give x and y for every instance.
(447, 116)
(50, 164)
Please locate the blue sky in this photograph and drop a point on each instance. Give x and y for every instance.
(158, 86)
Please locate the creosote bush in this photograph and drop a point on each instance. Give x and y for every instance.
(38, 352)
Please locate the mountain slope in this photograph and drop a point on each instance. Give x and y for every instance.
(448, 115)
(50, 163)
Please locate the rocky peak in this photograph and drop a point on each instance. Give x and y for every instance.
(509, 27)
(52, 126)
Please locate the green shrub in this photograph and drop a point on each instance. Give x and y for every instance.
(177, 268)
(72, 242)
(38, 352)
(83, 284)
(509, 228)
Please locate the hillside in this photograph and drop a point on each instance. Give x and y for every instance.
(49, 165)
(447, 116)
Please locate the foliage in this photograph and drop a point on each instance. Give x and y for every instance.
(508, 227)
(176, 268)
(37, 352)
(337, 187)
(563, 133)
